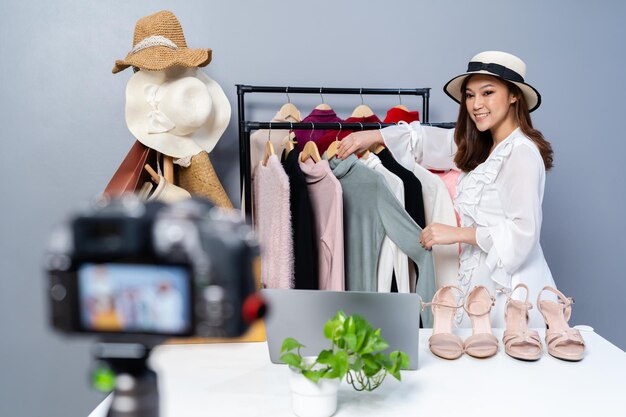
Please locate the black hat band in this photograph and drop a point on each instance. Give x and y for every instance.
(497, 69)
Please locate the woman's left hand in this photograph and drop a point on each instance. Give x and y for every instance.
(439, 234)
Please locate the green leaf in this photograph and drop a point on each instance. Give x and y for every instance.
(401, 358)
(340, 364)
(367, 340)
(384, 360)
(400, 361)
(360, 338)
(368, 345)
(349, 326)
(350, 341)
(361, 323)
(331, 328)
(370, 365)
(293, 360)
(325, 357)
(290, 344)
(340, 316)
(379, 345)
(313, 375)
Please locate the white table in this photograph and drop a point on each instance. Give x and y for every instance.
(238, 379)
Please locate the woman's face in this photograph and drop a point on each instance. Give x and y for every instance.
(488, 102)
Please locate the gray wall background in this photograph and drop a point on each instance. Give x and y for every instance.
(63, 130)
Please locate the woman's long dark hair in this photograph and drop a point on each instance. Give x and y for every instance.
(474, 146)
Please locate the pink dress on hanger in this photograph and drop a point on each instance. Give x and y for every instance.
(327, 202)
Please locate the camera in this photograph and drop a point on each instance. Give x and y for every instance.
(132, 271)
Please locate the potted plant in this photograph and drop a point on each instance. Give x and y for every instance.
(356, 352)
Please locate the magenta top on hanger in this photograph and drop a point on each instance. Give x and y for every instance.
(316, 116)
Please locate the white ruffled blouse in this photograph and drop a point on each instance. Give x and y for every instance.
(502, 199)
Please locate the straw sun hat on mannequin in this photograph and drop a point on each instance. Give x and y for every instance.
(174, 107)
(171, 105)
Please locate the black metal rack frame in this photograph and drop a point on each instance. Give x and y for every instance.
(246, 126)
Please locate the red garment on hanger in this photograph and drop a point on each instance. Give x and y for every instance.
(329, 137)
(395, 115)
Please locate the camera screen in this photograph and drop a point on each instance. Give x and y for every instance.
(134, 298)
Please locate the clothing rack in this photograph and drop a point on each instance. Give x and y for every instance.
(246, 126)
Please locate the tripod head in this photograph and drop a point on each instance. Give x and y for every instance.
(135, 392)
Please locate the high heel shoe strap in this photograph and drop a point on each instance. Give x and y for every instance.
(436, 296)
(432, 303)
(470, 297)
(528, 305)
(526, 336)
(566, 302)
(555, 339)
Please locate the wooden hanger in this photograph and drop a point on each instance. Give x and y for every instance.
(332, 148)
(365, 155)
(323, 106)
(362, 111)
(400, 106)
(269, 151)
(289, 110)
(377, 148)
(310, 151)
(289, 143)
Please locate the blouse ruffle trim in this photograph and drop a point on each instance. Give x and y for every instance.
(467, 198)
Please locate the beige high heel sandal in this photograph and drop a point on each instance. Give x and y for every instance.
(563, 341)
(482, 343)
(443, 342)
(519, 341)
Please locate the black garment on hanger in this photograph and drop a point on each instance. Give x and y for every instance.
(303, 225)
(413, 199)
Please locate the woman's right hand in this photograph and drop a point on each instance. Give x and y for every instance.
(359, 142)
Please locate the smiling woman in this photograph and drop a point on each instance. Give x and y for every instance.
(502, 161)
(493, 108)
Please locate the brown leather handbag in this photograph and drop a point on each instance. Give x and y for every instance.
(130, 174)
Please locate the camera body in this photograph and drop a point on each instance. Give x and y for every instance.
(133, 271)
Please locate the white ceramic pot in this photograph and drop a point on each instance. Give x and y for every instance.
(309, 399)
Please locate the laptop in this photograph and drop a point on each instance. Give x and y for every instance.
(301, 314)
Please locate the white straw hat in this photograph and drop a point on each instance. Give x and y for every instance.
(178, 115)
(499, 64)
